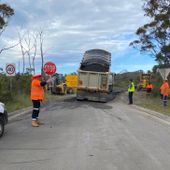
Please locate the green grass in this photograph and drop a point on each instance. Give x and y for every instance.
(23, 101)
(20, 101)
(151, 102)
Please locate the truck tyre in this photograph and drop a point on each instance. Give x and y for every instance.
(1, 127)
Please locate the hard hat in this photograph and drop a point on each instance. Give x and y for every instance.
(36, 76)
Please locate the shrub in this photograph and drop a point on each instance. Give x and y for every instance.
(10, 87)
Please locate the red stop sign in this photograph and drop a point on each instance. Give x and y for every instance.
(50, 68)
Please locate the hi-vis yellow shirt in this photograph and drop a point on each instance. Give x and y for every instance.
(131, 87)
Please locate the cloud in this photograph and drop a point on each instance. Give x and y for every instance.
(70, 28)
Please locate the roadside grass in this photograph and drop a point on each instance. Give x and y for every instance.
(20, 102)
(23, 101)
(151, 102)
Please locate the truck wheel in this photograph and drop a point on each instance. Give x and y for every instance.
(1, 127)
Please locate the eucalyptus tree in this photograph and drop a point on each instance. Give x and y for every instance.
(154, 36)
(5, 13)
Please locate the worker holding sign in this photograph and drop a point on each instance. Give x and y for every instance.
(37, 95)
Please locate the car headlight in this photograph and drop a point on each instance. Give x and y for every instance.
(2, 105)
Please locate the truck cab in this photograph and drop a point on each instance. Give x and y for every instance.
(3, 118)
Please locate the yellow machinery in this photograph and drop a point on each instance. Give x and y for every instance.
(58, 85)
(144, 81)
(71, 83)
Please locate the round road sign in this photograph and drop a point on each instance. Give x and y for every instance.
(50, 68)
(10, 69)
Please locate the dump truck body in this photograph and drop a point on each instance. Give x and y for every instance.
(95, 82)
(95, 86)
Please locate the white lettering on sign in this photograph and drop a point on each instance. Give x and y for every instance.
(49, 68)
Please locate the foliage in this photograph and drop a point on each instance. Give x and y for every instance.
(155, 67)
(156, 80)
(122, 80)
(154, 37)
(5, 13)
(21, 101)
(10, 87)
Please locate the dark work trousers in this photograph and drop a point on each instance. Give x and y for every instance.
(130, 97)
(148, 90)
(36, 109)
(164, 100)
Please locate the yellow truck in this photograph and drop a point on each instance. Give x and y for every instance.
(144, 81)
(71, 83)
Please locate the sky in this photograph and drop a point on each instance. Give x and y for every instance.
(72, 27)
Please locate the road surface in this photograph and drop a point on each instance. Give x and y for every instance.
(87, 136)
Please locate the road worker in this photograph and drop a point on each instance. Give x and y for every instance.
(37, 95)
(161, 90)
(149, 88)
(164, 92)
(131, 89)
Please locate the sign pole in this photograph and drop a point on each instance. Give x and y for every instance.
(11, 84)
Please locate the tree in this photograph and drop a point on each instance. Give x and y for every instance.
(7, 48)
(154, 37)
(41, 36)
(31, 45)
(23, 52)
(5, 13)
(28, 46)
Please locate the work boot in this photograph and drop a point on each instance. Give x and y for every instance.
(34, 123)
(39, 122)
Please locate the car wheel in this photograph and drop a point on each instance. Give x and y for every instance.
(1, 127)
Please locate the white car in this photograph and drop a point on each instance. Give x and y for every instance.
(3, 118)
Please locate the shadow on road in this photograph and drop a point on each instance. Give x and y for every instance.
(72, 103)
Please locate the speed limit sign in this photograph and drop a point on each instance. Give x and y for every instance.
(10, 69)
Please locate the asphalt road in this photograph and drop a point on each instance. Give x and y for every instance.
(87, 136)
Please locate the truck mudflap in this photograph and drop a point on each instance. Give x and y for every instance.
(94, 96)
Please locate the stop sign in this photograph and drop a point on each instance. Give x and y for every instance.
(50, 68)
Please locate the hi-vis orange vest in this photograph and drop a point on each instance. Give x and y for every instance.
(149, 86)
(37, 91)
(165, 89)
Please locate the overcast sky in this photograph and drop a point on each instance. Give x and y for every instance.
(72, 27)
